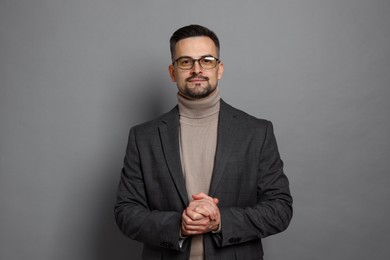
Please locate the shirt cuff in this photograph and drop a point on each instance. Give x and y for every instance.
(181, 239)
(218, 231)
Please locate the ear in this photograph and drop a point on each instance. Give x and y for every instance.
(220, 70)
(171, 71)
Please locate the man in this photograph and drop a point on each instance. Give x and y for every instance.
(205, 180)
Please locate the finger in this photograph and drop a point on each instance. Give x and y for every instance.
(203, 211)
(202, 202)
(189, 232)
(205, 227)
(206, 208)
(201, 195)
(194, 215)
(189, 219)
(185, 218)
(198, 227)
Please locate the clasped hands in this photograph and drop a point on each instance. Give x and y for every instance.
(201, 216)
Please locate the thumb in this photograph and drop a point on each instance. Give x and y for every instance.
(199, 196)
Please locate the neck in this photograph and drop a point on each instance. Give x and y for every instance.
(199, 108)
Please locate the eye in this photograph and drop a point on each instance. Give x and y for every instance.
(207, 60)
(185, 61)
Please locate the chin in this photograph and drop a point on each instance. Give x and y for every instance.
(198, 93)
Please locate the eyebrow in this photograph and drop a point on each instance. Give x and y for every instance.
(203, 56)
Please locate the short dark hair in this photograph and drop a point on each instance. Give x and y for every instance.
(192, 30)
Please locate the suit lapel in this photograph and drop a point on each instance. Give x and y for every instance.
(169, 134)
(227, 130)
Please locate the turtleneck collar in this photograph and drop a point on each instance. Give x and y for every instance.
(199, 108)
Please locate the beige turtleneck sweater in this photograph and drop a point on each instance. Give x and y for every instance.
(198, 142)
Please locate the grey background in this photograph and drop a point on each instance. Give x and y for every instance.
(75, 75)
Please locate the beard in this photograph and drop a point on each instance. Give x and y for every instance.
(198, 91)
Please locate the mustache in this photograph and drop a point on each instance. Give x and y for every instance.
(196, 76)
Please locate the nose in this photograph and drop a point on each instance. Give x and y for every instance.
(196, 69)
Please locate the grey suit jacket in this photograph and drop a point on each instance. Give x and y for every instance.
(248, 180)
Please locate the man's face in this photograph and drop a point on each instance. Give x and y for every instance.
(196, 82)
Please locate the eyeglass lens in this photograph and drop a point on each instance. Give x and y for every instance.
(207, 62)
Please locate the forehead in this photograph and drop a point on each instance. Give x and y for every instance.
(195, 47)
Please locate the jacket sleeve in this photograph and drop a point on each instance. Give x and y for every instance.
(132, 212)
(272, 212)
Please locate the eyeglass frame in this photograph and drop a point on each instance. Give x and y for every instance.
(197, 60)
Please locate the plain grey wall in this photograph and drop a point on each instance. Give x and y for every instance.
(75, 75)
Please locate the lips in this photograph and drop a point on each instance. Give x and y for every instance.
(197, 79)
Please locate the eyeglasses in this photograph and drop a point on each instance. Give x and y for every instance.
(187, 63)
